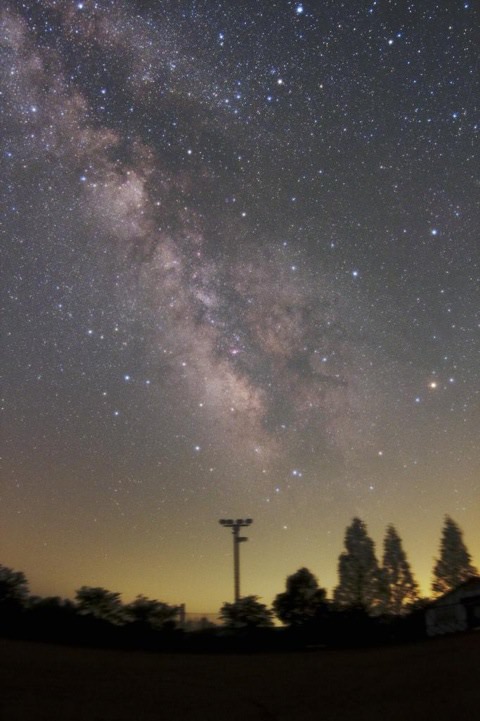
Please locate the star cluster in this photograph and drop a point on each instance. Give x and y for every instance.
(242, 276)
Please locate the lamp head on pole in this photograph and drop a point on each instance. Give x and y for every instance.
(237, 523)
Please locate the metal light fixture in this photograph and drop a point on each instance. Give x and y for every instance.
(236, 525)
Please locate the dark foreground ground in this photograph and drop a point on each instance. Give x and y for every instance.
(437, 680)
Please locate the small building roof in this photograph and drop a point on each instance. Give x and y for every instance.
(470, 587)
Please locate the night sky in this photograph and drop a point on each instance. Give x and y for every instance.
(241, 278)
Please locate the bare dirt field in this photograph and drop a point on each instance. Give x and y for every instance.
(438, 680)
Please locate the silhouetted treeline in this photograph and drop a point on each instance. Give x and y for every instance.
(373, 603)
(54, 620)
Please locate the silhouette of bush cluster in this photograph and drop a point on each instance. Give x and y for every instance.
(371, 604)
(96, 617)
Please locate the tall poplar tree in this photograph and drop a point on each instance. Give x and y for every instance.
(358, 571)
(455, 563)
(399, 589)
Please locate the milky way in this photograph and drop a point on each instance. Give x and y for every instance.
(242, 260)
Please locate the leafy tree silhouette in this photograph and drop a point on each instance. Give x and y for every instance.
(455, 563)
(13, 599)
(303, 601)
(398, 587)
(358, 571)
(101, 604)
(150, 612)
(13, 588)
(246, 613)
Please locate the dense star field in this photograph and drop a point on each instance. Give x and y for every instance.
(241, 278)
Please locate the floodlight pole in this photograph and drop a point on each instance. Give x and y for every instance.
(236, 525)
